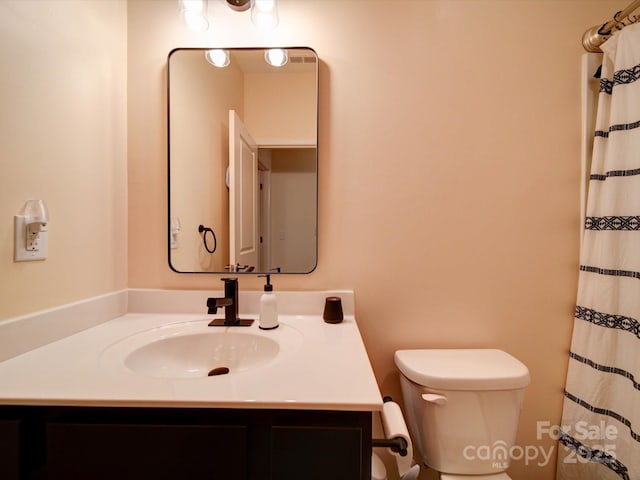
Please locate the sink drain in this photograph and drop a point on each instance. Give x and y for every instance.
(218, 371)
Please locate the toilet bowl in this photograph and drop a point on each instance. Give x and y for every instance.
(459, 402)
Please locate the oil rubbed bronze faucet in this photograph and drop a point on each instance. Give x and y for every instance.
(230, 304)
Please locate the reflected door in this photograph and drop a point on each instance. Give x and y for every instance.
(243, 196)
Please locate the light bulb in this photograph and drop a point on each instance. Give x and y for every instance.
(276, 57)
(193, 6)
(217, 57)
(196, 21)
(194, 13)
(264, 14)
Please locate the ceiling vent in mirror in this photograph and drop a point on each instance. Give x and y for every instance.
(302, 59)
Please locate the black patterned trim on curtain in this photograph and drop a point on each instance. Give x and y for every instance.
(594, 455)
(621, 77)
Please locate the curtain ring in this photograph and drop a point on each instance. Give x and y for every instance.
(602, 32)
(202, 228)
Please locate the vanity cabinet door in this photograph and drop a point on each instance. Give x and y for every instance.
(316, 453)
(321, 445)
(9, 449)
(82, 451)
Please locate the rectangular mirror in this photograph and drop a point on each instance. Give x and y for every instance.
(243, 160)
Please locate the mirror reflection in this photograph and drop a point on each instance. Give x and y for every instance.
(243, 160)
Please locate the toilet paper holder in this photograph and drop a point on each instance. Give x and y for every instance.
(396, 444)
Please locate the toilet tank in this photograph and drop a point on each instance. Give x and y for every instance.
(462, 407)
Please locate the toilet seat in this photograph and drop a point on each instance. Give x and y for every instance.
(493, 476)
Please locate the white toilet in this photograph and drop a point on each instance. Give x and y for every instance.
(462, 409)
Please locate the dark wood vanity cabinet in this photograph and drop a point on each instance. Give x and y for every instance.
(69, 443)
(10, 448)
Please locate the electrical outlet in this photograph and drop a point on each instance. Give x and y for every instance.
(35, 249)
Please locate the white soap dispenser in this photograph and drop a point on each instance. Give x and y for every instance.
(268, 307)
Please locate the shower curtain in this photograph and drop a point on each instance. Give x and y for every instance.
(600, 429)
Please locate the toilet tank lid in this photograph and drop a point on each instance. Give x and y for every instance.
(463, 369)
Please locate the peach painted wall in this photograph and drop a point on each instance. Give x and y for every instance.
(449, 171)
(281, 103)
(63, 132)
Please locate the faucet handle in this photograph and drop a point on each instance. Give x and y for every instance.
(214, 303)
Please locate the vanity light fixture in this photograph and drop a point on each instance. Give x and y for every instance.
(276, 57)
(217, 57)
(264, 13)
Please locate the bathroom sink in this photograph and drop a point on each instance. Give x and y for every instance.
(193, 350)
(198, 354)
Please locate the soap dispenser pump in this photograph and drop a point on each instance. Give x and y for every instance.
(268, 307)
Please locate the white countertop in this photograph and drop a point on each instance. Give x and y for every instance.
(328, 370)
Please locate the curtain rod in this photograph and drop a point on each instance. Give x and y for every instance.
(597, 35)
